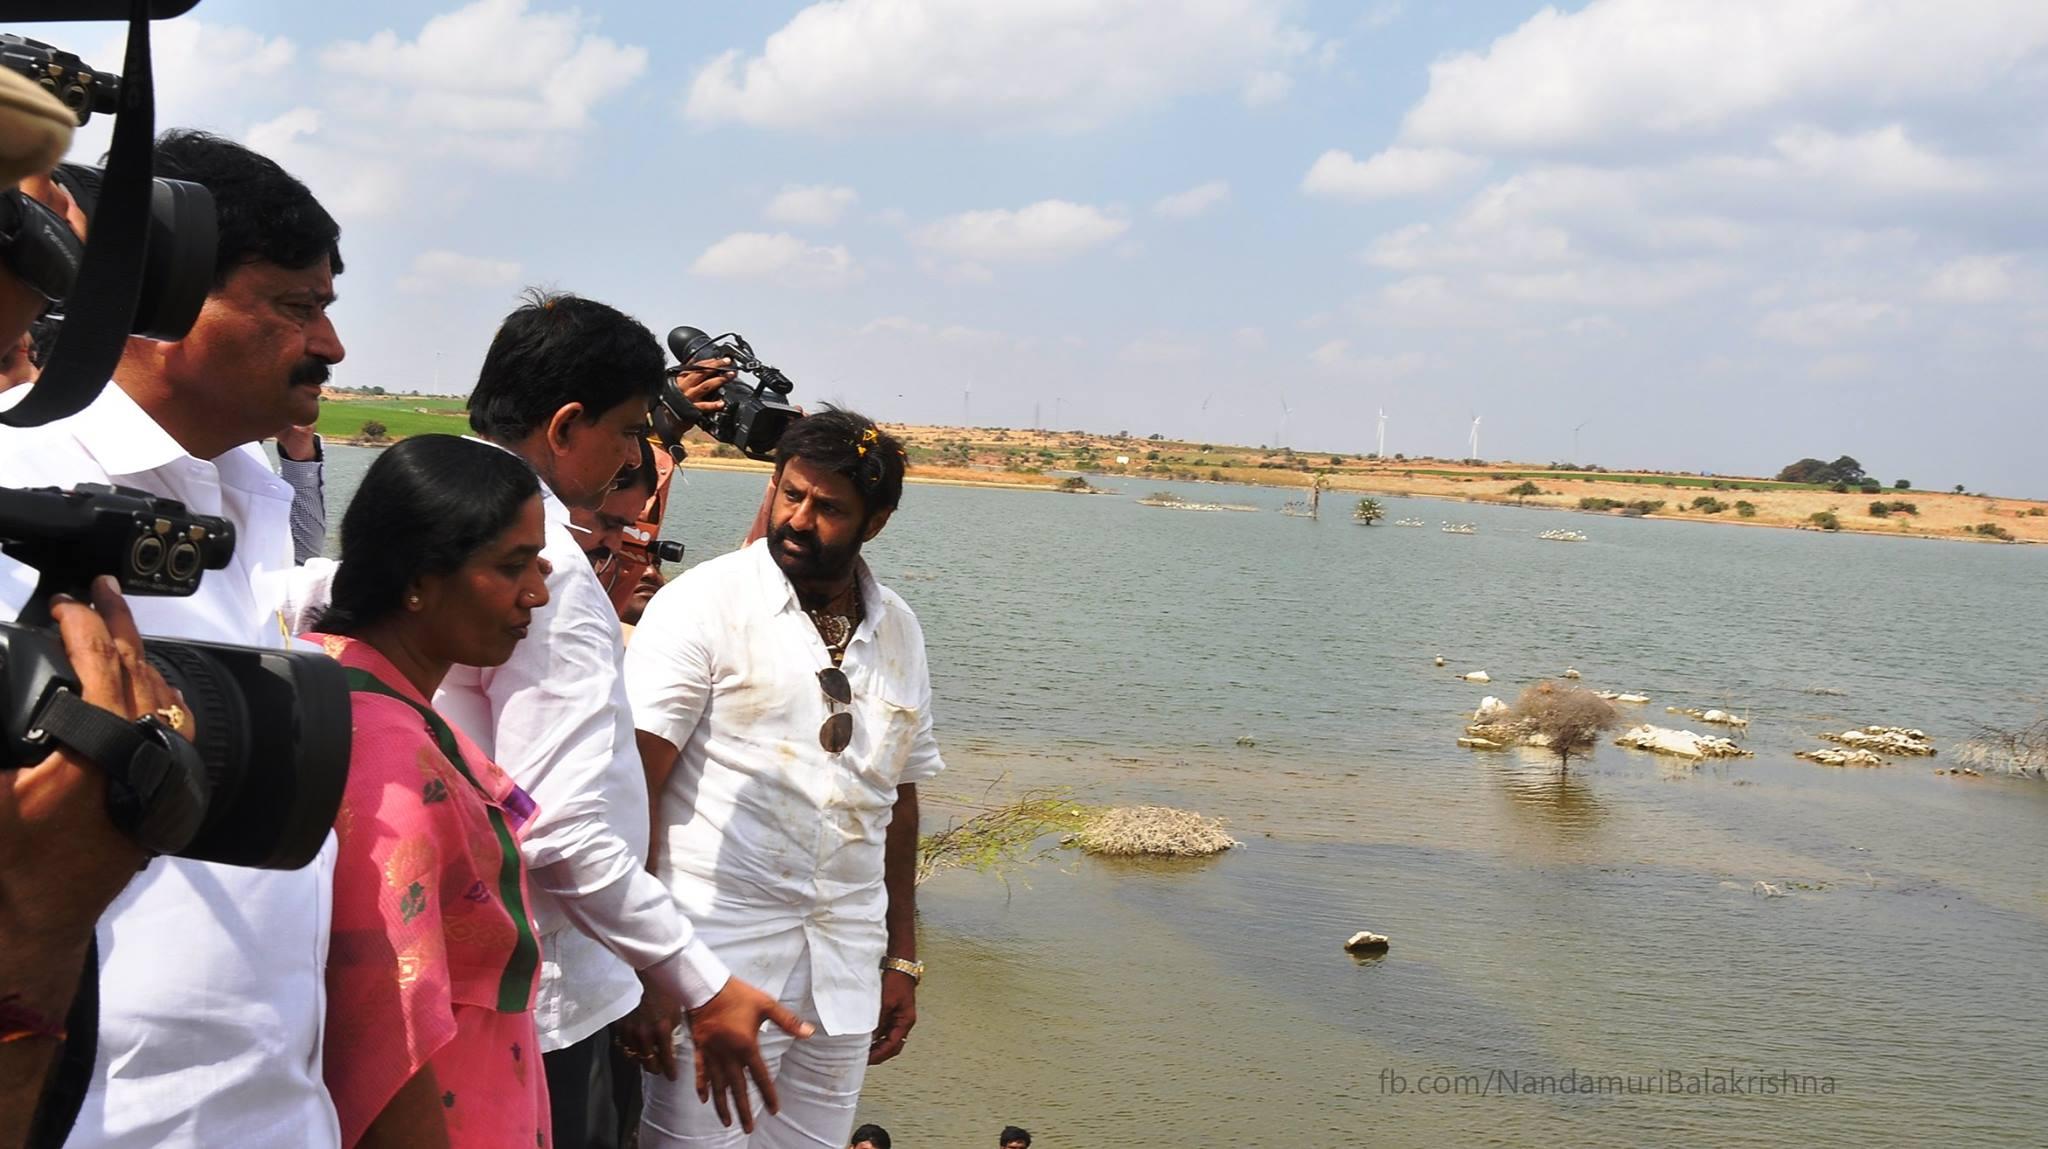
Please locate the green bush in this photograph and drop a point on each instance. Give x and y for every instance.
(1991, 531)
(1902, 507)
(1902, 484)
(1871, 486)
(1525, 489)
(1825, 520)
(1709, 505)
(1745, 508)
(373, 431)
(1595, 503)
(1646, 506)
(1840, 488)
(1880, 509)
(2036, 512)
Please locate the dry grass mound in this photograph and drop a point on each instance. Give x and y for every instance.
(1152, 831)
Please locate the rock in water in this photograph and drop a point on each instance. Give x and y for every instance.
(1366, 942)
(1680, 743)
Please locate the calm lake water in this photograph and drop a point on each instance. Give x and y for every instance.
(1596, 926)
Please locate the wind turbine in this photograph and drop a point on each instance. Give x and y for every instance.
(1382, 452)
(1575, 440)
(1286, 413)
(1473, 452)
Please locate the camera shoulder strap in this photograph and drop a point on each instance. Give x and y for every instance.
(109, 284)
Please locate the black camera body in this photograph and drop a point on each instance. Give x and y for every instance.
(75, 83)
(273, 725)
(754, 415)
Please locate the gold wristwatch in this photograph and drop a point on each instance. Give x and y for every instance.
(914, 968)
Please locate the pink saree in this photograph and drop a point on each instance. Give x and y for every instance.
(434, 959)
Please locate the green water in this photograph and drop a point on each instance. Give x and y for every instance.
(1599, 926)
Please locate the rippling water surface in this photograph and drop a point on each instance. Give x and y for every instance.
(1596, 926)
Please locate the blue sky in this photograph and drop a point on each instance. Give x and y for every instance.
(1711, 235)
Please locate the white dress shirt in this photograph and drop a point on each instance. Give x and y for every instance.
(773, 846)
(555, 717)
(212, 978)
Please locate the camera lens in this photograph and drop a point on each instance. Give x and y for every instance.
(274, 733)
(184, 562)
(147, 554)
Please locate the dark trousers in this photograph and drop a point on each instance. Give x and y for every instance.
(594, 1095)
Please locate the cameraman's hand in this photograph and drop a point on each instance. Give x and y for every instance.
(61, 860)
(700, 382)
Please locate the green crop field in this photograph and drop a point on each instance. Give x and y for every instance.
(402, 415)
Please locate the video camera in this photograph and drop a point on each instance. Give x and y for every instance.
(754, 415)
(263, 783)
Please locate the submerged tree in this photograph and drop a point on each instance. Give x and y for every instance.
(1369, 511)
(1566, 719)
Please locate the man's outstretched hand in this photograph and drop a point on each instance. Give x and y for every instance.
(727, 1034)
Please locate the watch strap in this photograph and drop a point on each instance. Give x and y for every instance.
(156, 782)
(914, 969)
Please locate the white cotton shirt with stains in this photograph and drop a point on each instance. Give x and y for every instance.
(773, 846)
(213, 993)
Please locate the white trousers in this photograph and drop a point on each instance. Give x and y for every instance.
(817, 1081)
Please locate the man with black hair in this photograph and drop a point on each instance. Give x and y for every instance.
(1014, 1137)
(566, 385)
(212, 983)
(783, 707)
(869, 1137)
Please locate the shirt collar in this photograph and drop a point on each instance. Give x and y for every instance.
(552, 508)
(778, 594)
(122, 437)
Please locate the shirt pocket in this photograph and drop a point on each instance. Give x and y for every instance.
(895, 726)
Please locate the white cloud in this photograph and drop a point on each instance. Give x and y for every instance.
(1160, 350)
(493, 66)
(1827, 323)
(1619, 69)
(1972, 279)
(437, 270)
(1043, 232)
(1061, 64)
(1337, 356)
(1249, 339)
(1194, 201)
(1397, 171)
(1883, 160)
(349, 184)
(778, 258)
(1267, 88)
(818, 205)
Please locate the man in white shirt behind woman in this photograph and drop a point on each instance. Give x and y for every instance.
(566, 385)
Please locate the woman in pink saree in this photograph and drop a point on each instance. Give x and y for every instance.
(435, 960)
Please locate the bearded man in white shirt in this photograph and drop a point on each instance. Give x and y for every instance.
(212, 977)
(566, 385)
(783, 707)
